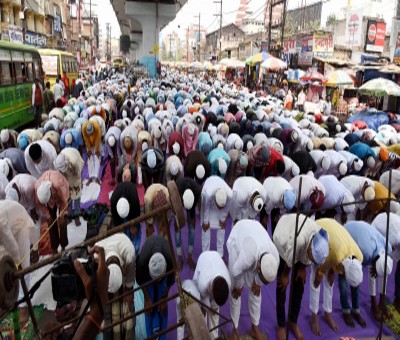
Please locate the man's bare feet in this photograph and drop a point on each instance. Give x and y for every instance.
(375, 309)
(332, 324)
(191, 263)
(255, 333)
(315, 325)
(235, 334)
(348, 320)
(359, 319)
(281, 333)
(296, 331)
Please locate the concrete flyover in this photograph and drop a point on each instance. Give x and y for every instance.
(142, 21)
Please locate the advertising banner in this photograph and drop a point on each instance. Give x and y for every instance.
(307, 43)
(35, 39)
(305, 59)
(16, 35)
(396, 58)
(375, 39)
(322, 43)
(289, 45)
(353, 34)
(50, 64)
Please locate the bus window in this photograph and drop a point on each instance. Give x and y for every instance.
(19, 79)
(6, 78)
(36, 69)
(29, 72)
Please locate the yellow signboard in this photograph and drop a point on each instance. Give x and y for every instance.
(156, 48)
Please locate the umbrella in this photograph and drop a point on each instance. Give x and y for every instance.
(313, 76)
(257, 58)
(380, 87)
(196, 64)
(219, 68)
(231, 63)
(274, 64)
(339, 78)
(208, 66)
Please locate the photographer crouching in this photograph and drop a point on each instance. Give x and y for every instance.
(102, 273)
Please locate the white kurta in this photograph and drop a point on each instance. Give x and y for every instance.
(394, 231)
(384, 179)
(209, 266)
(284, 238)
(350, 158)
(246, 244)
(121, 246)
(49, 154)
(335, 194)
(26, 186)
(243, 188)
(275, 187)
(211, 214)
(291, 168)
(336, 160)
(318, 156)
(355, 185)
(308, 185)
(17, 233)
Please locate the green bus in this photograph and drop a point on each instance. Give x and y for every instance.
(19, 66)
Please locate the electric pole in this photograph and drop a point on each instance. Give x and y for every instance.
(108, 42)
(220, 26)
(198, 38)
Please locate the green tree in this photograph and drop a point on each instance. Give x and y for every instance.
(290, 26)
(331, 19)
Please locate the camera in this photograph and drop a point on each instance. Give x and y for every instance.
(66, 284)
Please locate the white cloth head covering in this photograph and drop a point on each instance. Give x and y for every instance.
(200, 171)
(342, 168)
(222, 166)
(257, 203)
(12, 195)
(269, 267)
(111, 140)
(358, 164)
(353, 271)
(115, 278)
(151, 159)
(4, 135)
(220, 197)
(157, 265)
(188, 199)
(176, 148)
(370, 162)
(61, 163)
(174, 168)
(380, 264)
(68, 138)
(123, 207)
(4, 167)
(325, 163)
(369, 193)
(44, 192)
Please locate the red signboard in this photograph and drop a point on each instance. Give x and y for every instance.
(375, 40)
(289, 45)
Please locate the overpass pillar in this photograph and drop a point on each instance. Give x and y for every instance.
(136, 46)
(152, 17)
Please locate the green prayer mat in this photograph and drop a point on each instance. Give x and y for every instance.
(27, 332)
(394, 324)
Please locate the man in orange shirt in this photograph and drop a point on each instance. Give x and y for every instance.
(65, 80)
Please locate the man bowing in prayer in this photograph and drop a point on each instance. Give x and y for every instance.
(253, 261)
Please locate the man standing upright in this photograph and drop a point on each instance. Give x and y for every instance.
(37, 102)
